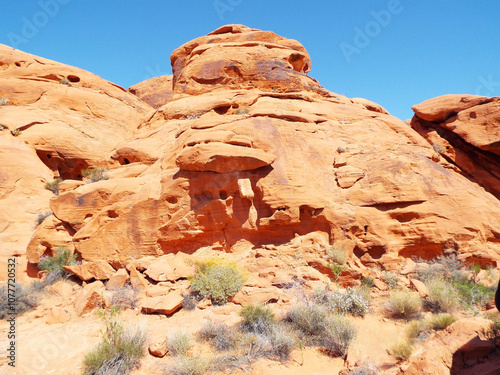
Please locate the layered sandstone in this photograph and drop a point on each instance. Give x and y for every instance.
(248, 151)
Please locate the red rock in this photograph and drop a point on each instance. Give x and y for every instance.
(89, 298)
(171, 268)
(62, 288)
(118, 280)
(222, 158)
(249, 295)
(58, 315)
(420, 287)
(156, 91)
(165, 305)
(137, 280)
(158, 349)
(99, 270)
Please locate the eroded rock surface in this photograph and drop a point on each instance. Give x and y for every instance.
(248, 151)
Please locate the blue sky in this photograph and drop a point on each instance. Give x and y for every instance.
(395, 52)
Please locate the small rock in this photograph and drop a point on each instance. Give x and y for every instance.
(158, 348)
(89, 298)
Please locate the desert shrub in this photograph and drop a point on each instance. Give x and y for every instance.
(472, 294)
(438, 149)
(24, 300)
(125, 297)
(241, 111)
(337, 270)
(414, 328)
(442, 296)
(365, 369)
(217, 279)
(178, 343)
(403, 304)
(54, 264)
(440, 321)
(338, 335)
(257, 318)
(42, 216)
(16, 132)
(308, 319)
(337, 254)
(54, 185)
(349, 301)
(317, 326)
(188, 366)
(402, 349)
(368, 282)
(120, 349)
(191, 301)
(64, 81)
(443, 266)
(219, 334)
(390, 279)
(4, 101)
(276, 343)
(95, 174)
(192, 116)
(495, 326)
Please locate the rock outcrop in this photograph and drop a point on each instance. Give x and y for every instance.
(248, 151)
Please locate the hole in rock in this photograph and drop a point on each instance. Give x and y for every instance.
(222, 110)
(49, 156)
(18, 63)
(473, 115)
(73, 78)
(223, 195)
(172, 200)
(112, 214)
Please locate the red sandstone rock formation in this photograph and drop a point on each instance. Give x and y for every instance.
(248, 151)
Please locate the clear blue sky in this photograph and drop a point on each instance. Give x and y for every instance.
(396, 53)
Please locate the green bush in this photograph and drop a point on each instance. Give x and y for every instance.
(257, 318)
(120, 349)
(368, 282)
(441, 321)
(217, 279)
(308, 319)
(178, 343)
(402, 349)
(54, 264)
(443, 266)
(219, 334)
(338, 335)
(443, 297)
(472, 294)
(241, 111)
(23, 300)
(188, 366)
(95, 174)
(3, 101)
(390, 279)
(54, 185)
(353, 301)
(414, 328)
(16, 132)
(42, 216)
(403, 304)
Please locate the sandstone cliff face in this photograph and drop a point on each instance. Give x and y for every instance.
(247, 151)
(465, 129)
